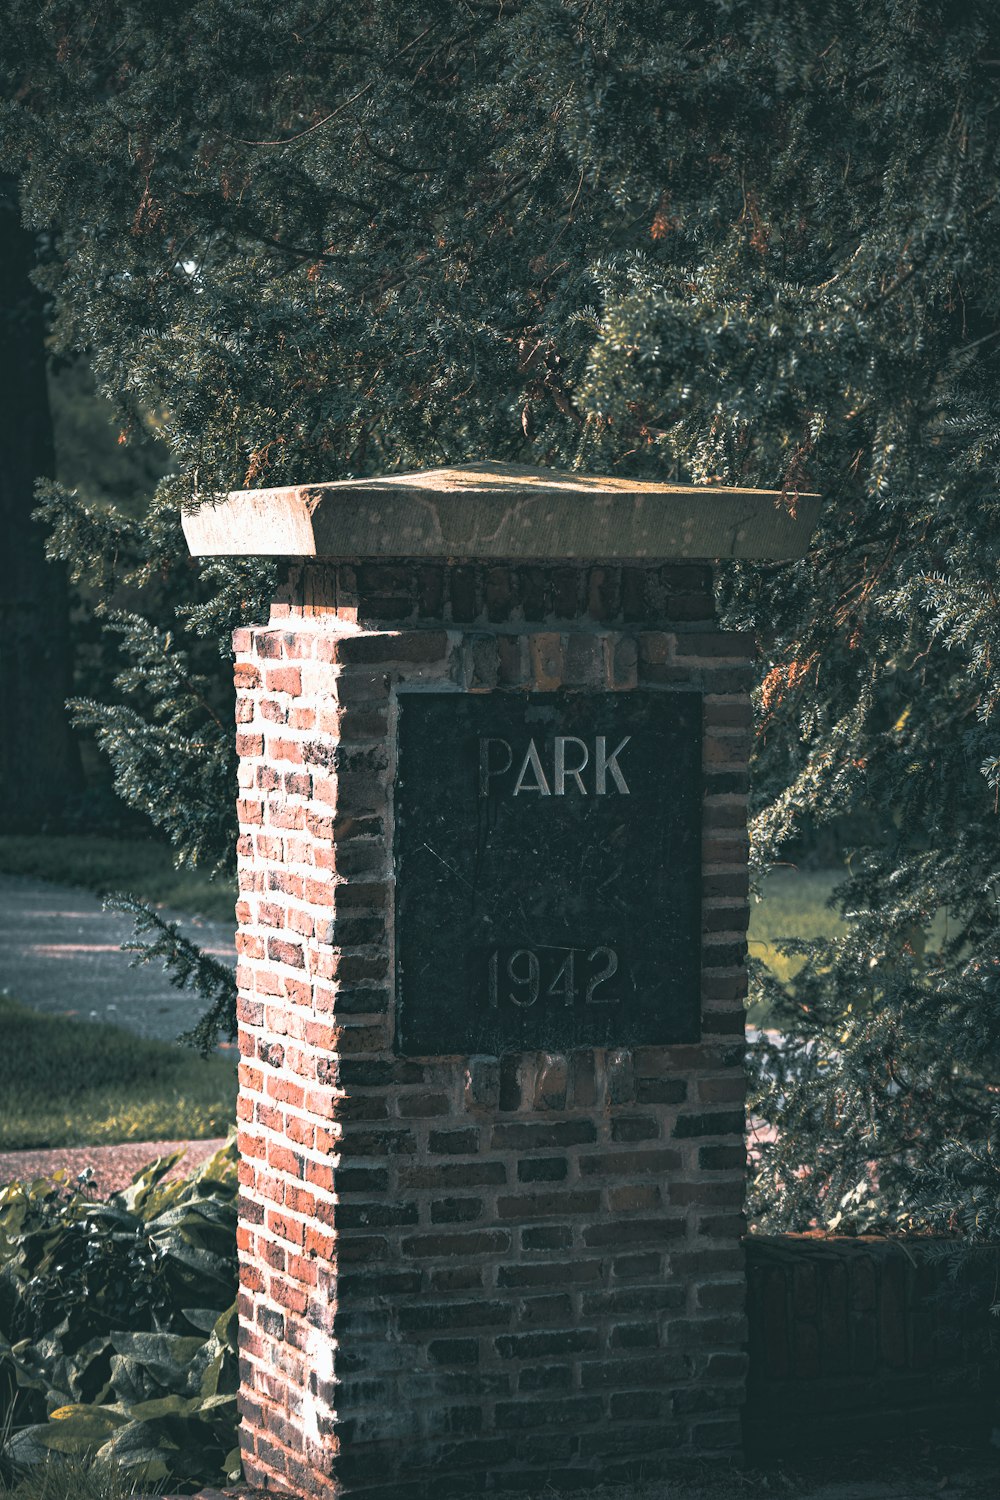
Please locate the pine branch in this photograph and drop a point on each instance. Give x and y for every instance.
(187, 966)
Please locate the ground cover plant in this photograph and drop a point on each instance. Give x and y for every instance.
(104, 865)
(66, 1082)
(118, 1324)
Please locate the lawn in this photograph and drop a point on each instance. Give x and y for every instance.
(139, 867)
(74, 1083)
(794, 904)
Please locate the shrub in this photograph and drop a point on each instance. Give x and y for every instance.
(118, 1322)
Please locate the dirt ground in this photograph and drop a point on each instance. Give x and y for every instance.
(945, 1476)
(111, 1167)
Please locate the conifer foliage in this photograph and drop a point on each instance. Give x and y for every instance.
(752, 241)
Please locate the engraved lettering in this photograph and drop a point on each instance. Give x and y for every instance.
(486, 768)
(562, 770)
(549, 974)
(603, 763)
(529, 978)
(532, 762)
(563, 986)
(597, 979)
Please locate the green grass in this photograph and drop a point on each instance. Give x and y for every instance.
(793, 905)
(77, 1083)
(139, 867)
(75, 1479)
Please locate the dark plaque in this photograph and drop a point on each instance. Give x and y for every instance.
(548, 871)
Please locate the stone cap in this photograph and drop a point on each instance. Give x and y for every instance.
(509, 512)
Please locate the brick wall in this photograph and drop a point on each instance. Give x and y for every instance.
(491, 1269)
(864, 1341)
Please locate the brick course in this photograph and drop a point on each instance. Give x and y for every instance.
(511, 1270)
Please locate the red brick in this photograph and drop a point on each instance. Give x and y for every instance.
(319, 892)
(283, 680)
(250, 1011)
(302, 1268)
(633, 1198)
(266, 982)
(301, 921)
(286, 1092)
(722, 1090)
(284, 750)
(300, 1200)
(319, 1242)
(320, 1174)
(288, 1295)
(285, 1228)
(285, 953)
(283, 1160)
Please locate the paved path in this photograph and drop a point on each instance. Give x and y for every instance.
(59, 953)
(112, 1167)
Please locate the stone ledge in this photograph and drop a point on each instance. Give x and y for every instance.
(509, 511)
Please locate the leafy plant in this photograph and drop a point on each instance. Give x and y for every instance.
(118, 1322)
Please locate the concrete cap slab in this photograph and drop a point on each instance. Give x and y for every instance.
(505, 512)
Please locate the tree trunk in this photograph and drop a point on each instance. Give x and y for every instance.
(39, 756)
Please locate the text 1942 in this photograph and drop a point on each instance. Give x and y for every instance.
(552, 976)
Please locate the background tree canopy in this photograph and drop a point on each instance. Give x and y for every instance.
(749, 242)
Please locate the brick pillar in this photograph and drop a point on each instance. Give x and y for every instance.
(496, 1269)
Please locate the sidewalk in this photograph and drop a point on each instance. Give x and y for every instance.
(59, 953)
(112, 1167)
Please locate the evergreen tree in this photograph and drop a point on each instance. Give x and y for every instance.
(39, 758)
(752, 241)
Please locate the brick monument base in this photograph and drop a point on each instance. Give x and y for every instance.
(489, 1264)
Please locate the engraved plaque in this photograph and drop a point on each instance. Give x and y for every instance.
(548, 871)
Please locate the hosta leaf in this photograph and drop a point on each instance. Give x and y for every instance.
(202, 1318)
(145, 1181)
(120, 1317)
(171, 1352)
(227, 1326)
(210, 1377)
(164, 1406)
(77, 1429)
(96, 1416)
(135, 1453)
